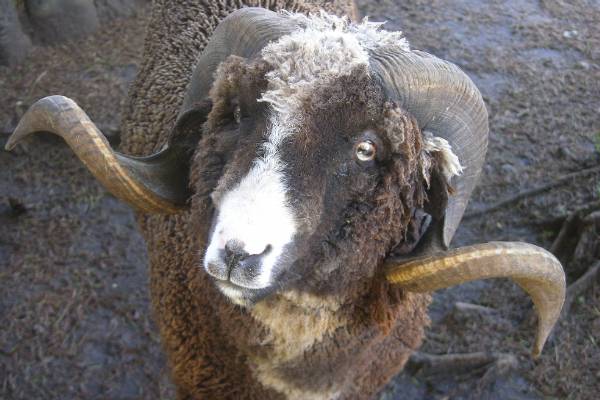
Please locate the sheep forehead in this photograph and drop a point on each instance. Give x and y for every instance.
(325, 47)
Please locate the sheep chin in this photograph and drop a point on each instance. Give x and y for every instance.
(242, 296)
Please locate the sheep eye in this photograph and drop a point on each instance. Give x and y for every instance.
(237, 114)
(365, 151)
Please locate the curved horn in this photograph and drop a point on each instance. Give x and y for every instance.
(156, 184)
(445, 102)
(536, 270)
(243, 33)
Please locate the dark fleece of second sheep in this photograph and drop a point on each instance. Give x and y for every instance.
(368, 329)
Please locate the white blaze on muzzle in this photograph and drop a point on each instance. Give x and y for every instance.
(256, 214)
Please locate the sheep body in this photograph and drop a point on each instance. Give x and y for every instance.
(298, 344)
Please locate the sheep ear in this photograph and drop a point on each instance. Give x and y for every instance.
(190, 121)
(440, 165)
(440, 158)
(438, 193)
(438, 182)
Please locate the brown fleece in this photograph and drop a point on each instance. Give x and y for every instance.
(355, 340)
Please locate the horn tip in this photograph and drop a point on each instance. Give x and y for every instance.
(536, 351)
(18, 134)
(540, 341)
(11, 142)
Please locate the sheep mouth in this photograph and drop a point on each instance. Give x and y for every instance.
(242, 295)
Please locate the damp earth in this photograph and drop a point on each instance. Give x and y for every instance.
(74, 303)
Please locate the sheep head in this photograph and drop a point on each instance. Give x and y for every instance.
(308, 136)
(306, 177)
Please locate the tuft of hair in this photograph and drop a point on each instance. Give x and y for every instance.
(448, 162)
(323, 48)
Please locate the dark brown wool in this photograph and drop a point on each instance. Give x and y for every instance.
(364, 329)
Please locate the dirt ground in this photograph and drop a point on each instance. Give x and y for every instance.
(74, 309)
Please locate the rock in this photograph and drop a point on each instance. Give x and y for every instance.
(570, 34)
(14, 44)
(508, 169)
(56, 21)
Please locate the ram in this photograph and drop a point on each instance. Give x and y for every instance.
(299, 206)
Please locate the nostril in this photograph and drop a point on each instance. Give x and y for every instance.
(234, 253)
(267, 250)
(235, 248)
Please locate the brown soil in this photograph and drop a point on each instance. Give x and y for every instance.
(74, 306)
(73, 287)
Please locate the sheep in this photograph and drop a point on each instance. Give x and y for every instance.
(306, 178)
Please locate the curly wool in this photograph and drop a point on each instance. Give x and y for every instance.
(207, 340)
(324, 48)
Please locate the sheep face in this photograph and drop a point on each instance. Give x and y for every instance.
(341, 168)
(316, 163)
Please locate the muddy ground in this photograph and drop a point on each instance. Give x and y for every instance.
(74, 312)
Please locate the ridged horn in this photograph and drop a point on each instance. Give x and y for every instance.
(244, 33)
(534, 269)
(154, 184)
(446, 103)
(157, 183)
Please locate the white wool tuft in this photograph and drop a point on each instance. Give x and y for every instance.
(325, 47)
(450, 164)
(369, 34)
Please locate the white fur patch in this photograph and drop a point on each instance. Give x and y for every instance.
(296, 321)
(235, 295)
(450, 164)
(256, 212)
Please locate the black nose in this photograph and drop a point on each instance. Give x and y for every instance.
(238, 264)
(234, 253)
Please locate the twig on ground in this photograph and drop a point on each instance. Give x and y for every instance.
(494, 364)
(532, 192)
(462, 313)
(579, 287)
(557, 221)
(468, 309)
(504, 364)
(431, 364)
(567, 238)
